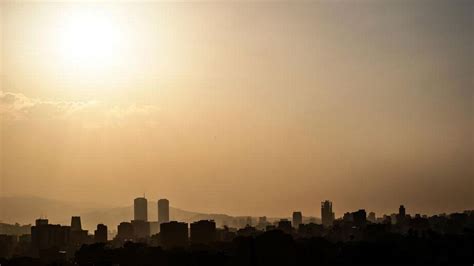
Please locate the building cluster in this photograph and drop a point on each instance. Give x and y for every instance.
(60, 241)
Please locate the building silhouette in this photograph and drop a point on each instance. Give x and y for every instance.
(140, 209)
(100, 234)
(173, 234)
(311, 230)
(285, 226)
(327, 215)
(77, 235)
(203, 232)
(297, 219)
(141, 230)
(401, 215)
(163, 211)
(125, 231)
(360, 218)
(45, 236)
(348, 217)
(371, 217)
(76, 223)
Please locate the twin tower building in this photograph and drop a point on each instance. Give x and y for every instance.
(140, 210)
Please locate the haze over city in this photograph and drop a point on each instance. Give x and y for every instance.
(241, 108)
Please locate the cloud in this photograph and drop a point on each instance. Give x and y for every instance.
(17, 107)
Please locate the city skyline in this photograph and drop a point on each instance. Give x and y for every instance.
(140, 211)
(236, 133)
(271, 241)
(241, 108)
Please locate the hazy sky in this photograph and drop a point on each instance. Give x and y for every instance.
(245, 108)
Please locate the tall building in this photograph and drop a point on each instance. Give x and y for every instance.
(285, 226)
(76, 223)
(125, 231)
(371, 217)
(140, 209)
(77, 235)
(401, 215)
(203, 232)
(402, 211)
(100, 234)
(41, 221)
(141, 230)
(360, 218)
(173, 234)
(45, 236)
(163, 211)
(327, 215)
(297, 219)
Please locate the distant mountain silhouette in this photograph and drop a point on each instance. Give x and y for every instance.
(113, 216)
(25, 210)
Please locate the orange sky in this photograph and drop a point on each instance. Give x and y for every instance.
(240, 108)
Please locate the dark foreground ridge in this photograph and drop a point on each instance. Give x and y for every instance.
(278, 248)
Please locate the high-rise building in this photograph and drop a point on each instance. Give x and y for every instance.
(76, 223)
(285, 226)
(371, 217)
(401, 215)
(402, 211)
(100, 234)
(348, 217)
(77, 235)
(45, 236)
(203, 232)
(173, 234)
(41, 221)
(141, 230)
(360, 218)
(297, 219)
(140, 209)
(163, 211)
(327, 215)
(125, 231)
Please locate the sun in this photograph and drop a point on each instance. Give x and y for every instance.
(90, 40)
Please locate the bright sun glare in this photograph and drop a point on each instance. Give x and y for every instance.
(90, 40)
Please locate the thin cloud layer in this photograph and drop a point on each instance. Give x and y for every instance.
(19, 107)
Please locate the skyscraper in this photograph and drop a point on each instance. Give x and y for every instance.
(100, 234)
(401, 211)
(76, 223)
(140, 209)
(125, 231)
(297, 219)
(360, 218)
(77, 235)
(401, 215)
(203, 232)
(372, 217)
(163, 211)
(173, 234)
(327, 215)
